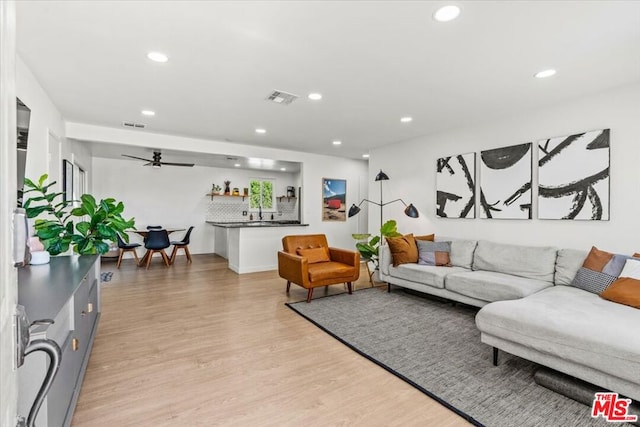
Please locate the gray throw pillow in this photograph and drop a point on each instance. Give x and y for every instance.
(434, 253)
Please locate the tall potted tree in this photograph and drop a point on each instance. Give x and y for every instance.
(97, 223)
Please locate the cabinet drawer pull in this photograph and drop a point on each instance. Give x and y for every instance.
(90, 307)
(75, 344)
(83, 313)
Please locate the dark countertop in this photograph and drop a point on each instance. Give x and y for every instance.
(44, 289)
(256, 224)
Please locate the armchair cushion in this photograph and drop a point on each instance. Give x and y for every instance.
(315, 255)
(330, 270)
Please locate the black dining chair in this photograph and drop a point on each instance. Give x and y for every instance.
(126, 247)
(182, 244)
(157, 241)
(154, 227)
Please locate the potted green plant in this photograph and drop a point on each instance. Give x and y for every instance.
(369, 250)
(97, 222)
(216, 189)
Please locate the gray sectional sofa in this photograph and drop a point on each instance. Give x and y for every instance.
(529, 309)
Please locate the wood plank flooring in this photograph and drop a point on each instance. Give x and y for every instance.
(198, 345)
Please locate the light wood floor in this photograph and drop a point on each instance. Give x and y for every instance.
(198, 345)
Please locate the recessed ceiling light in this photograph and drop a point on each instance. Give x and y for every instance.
(446, 13)
(406, 119)
(545, 73)
(315, 96)
(259, 130)
(337, 142)
(157, 56)
(148, 113)
(237, 165)
(366, 156)
(283, 169)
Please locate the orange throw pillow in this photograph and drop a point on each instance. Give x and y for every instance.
(403, 249)
(624, 290)
(428, 237)
(636, 255)
(597, 259)
(315, 255)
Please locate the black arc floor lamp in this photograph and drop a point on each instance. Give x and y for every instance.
(409, 210)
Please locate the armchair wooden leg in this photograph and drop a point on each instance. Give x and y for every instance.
(349, 287)
(309, 295)
(120, 257)
(288, 286)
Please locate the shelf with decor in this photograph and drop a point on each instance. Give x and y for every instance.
(285, 197)
(212, 195)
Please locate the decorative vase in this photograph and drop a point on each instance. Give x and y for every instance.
(227, 190)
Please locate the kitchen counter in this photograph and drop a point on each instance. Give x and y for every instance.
(252, 246)
(254, 224)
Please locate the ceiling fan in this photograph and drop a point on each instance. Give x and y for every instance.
(156, 162)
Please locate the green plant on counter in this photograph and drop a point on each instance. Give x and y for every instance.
(215, 188)
(98, 222)
(369, 250)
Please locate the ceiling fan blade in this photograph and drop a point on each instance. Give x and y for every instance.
(137, 158)
(177, 164)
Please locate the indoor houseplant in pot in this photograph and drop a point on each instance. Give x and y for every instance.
(96, 223)
(369, 250)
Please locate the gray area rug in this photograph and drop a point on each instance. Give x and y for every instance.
(436, 347)
(106, 276)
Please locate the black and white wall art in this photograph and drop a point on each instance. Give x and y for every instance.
(573, 176)
(456, 186)
(505, 182)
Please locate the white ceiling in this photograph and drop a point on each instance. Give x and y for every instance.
(374, 62)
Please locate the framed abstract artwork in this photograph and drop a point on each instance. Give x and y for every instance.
(456, 186)
(505, 182)
(334, 199)
(573, 176)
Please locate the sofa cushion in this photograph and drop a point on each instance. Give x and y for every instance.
(462, 250)
(492, 286)
(599, 270)
(403, 249)
(592, 281)
(571, 324)
(427, 274)
(533, 262)
(568, 263)
(330, 270)
(434, 253)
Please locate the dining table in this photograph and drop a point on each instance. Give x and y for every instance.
(144, 232)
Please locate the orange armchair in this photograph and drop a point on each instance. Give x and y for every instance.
(308, 261)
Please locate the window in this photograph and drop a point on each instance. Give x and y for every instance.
(261, 194)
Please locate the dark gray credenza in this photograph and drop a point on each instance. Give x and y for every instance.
(66, 290)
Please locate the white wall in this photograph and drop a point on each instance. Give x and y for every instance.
(314, 168)
(411, 166)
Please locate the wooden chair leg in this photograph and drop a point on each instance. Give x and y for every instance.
(309, 295)
(121, 252)
(288, 286)
(135, 255)
(186, 250)
(349, 287)
(165, 257)
(149, 256)
(174, 252)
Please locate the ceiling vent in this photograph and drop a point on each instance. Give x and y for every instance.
(134, 125)
(280, 97)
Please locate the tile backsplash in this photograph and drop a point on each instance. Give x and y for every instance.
(229, 209)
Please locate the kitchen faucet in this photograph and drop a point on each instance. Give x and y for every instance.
(260, 211)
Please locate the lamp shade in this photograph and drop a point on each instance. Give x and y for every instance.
(411, 211)
(353, 210)
(382, 176)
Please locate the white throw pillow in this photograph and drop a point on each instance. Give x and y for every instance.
(631, 269)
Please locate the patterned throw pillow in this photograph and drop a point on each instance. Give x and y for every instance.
(599, 270)
(434, 253)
